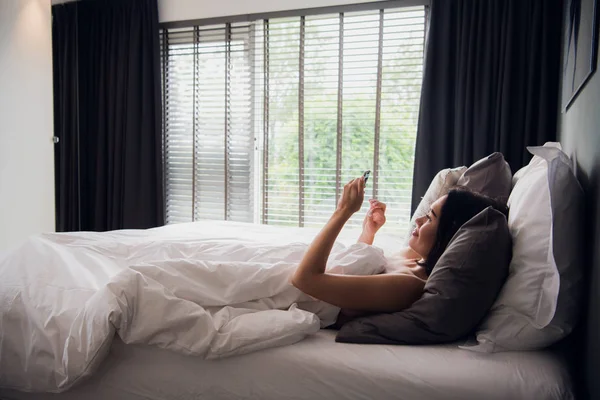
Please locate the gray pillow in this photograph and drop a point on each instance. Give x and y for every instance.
(490, 176)
(461, 288)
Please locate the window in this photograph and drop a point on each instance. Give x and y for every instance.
(265, 121)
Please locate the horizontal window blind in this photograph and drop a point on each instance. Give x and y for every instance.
(266, 121)
(208, 139)
(341, 95)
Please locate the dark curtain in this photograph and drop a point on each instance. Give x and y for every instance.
(118, 110)
(490, 83)
(66, 123)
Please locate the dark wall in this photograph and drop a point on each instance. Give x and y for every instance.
(579, 133)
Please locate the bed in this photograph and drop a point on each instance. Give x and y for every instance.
(316, 367)
(319, 368)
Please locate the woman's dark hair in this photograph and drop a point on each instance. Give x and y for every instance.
(461, 205)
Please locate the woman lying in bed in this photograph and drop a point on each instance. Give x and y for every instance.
(402, 284)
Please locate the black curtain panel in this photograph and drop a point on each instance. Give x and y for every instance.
(118, 114)
(66, 123)
(490, 83)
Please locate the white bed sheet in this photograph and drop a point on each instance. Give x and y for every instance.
(319, 368)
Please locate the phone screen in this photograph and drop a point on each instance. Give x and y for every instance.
(366, 175)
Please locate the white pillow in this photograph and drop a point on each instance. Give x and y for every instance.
(439, 186)
(519, 174)
(539, 302)
(523, 170)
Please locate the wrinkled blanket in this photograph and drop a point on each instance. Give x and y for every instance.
(64, 296)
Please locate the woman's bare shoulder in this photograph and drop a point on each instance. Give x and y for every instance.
(399, 264)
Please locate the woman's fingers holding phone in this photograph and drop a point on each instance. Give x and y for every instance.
(352, 196)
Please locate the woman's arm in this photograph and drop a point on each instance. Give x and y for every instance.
(374, 293)
(315, 259)
(377, 293)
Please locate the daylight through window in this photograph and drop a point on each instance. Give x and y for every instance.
(266, 121)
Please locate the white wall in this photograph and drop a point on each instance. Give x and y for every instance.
(26, 148)
(181, 10)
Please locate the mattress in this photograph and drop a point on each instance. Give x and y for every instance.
(319, 368)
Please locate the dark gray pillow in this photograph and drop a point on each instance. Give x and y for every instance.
(490, 176)
(459, 292)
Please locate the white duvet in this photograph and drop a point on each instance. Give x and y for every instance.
(208, 290)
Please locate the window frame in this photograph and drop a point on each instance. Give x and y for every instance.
(258, 183)
(300, 12)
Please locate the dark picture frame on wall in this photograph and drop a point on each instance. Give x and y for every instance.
(581, 47)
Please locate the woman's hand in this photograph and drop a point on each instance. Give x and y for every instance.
(375, 217)
(373, 221)
(352, 196)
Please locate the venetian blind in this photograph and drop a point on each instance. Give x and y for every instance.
(208, 141)
(267, 120)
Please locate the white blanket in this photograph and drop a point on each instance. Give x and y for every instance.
(210, 294)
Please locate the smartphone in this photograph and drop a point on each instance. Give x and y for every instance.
(366, 175)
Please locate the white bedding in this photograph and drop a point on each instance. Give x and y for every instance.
(319, 368)
(208, 289)
(315, 367)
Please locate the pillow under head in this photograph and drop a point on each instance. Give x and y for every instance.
(461, 288)
(490, 176)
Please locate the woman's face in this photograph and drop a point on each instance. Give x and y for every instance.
(423, 237)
